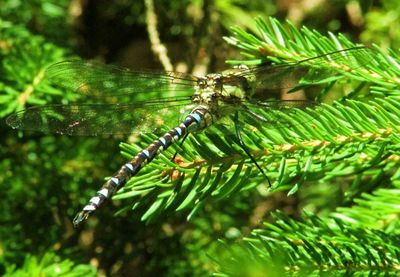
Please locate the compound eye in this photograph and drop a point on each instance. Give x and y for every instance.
(201, 82)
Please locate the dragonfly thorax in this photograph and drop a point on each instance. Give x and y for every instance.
(207, 88)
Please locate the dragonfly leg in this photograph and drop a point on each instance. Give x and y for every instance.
(243, 146)
(180, 144)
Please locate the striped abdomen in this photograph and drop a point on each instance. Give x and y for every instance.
(197, 120)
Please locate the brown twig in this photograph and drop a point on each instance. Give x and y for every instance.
(158, 48)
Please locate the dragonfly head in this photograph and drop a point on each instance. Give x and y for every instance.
(208, 88)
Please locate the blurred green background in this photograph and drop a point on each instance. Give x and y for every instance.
(46, 179)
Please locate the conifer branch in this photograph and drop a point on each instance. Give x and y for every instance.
(350, 137)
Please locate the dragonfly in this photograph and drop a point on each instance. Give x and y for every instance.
(135, 101)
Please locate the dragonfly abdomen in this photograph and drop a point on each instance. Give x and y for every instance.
(197, 120)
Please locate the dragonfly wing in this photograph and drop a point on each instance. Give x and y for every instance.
(268, 114)
(317, 70)
(97, 119)
(100, 80)
(278, 113)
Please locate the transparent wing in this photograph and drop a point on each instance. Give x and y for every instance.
(315, 70)
(271, 114)
(96, 119)
(278, 113)
(100, 80)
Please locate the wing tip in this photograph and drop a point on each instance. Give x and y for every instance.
(14, 120)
